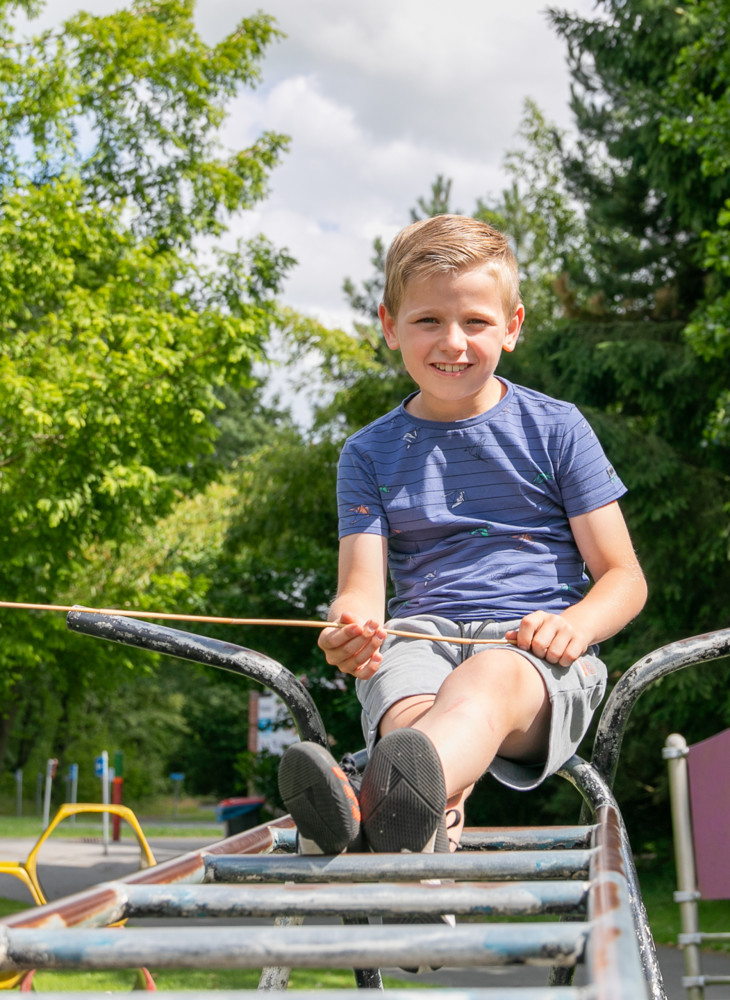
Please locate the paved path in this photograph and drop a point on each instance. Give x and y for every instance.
(68, 866)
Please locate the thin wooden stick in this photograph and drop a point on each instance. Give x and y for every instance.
(168, 616)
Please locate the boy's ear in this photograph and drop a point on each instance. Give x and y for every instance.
(512, 333)
(388, 324)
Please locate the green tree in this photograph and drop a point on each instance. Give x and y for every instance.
(696, 121)
(118, 332)
(543, 222)
(643, 269)
(646, 202)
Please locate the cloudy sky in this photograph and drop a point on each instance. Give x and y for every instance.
(379, 96)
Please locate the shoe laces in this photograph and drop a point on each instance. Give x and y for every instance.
(352, 771)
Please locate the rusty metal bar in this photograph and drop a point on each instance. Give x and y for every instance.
(597, 795)
(72, 911)
(214, 653)
(525, 838)
(498, 866)
(612, 958)
(361, 946)
(593, 861)
(196, 902)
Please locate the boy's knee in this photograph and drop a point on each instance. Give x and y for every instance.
(404, 713)
(501, 684)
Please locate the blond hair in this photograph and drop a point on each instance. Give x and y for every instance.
(449, 243)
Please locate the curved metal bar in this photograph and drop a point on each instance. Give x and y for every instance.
(663, 661)
(213, 652)
(598, 798)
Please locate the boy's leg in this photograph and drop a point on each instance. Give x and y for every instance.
(494, 702)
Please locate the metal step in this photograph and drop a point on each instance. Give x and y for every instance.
(553, 897)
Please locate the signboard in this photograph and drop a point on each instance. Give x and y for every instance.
(275, 729)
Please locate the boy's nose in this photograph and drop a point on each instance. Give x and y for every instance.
(454, 337)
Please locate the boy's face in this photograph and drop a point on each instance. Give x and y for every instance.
(451, 330)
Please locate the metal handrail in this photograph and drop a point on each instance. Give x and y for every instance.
(652, 667)
(214, 653)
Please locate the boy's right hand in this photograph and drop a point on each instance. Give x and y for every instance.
(353, 647)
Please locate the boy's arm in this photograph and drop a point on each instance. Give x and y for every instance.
(618, 593)
(360, 603)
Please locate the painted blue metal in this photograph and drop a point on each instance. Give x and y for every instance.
(124, 901)
(306, 947)
(503, 865)
(584, 871)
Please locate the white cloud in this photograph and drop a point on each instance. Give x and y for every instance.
(379, 97)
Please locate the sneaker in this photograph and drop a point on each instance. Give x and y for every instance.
(403, 799)
(322, 801)
(403, 796)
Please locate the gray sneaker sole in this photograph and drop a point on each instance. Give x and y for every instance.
(403, 795)
(319, 797)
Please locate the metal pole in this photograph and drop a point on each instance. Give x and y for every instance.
(105, 799)
(675, 753)
(51, 765)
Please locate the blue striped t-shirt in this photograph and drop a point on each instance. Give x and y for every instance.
(476, 511)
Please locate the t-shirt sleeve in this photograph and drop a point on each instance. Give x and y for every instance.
(359, 503)
(587, 478)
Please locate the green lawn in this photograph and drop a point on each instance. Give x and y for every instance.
(658, 882)
(190, 821)
(185, 979)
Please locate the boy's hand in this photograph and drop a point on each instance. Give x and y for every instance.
(354, 648)
(549, 636)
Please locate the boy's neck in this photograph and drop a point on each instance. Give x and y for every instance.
(444, 411)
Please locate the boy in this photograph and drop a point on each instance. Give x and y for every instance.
(486, 501)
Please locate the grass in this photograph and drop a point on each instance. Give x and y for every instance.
(160, 818)
(186, 979)
(658, 882)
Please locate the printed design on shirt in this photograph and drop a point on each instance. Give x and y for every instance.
(384, 490)
(429, 577)
(524, 539)
(542, 477)
(482, 532)
(478, 451)
(410, 437)
(611, 472)
(359, 509)
(454, 498)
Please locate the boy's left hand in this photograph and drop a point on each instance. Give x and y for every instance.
(551, 637)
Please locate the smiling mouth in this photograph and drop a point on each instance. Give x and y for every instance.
(450, 368)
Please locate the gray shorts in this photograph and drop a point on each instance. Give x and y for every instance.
(412, 667)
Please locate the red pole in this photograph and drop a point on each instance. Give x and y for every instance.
(117, 784)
